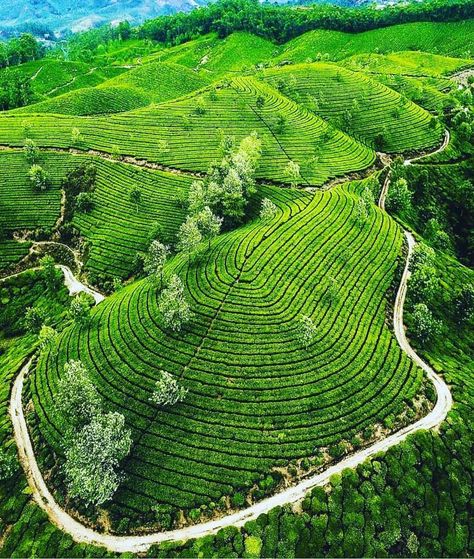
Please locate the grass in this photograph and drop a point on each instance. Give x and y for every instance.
(20, 206)
(237, 52)
(256, 399)
(12, 252)
(115, 229)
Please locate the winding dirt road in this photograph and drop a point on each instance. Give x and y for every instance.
(141, 543)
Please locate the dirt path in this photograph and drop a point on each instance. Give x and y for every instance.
(140, 543)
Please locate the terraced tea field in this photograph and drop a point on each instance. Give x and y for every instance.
(192, 140)
(257, 398)
(264, 414)
(361, 106)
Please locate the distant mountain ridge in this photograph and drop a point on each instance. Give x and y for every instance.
(58, 16)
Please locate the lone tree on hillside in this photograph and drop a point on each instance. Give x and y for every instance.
(167, 390)
(306, 331)
(155, 260)
(93, 459)
(136, 196)
(77, 397)
(75, 135)
(38, 177)
(173, 306)
(268, 210)
(31, 151)
(293, 173)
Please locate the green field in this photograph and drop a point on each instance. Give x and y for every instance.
(241, 350)
(263, 411)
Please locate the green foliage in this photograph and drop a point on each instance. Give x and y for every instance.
(38, 177)
(167, 391)
(424, 325)
(78, 398)
(80, 308)
(93, 458)
(173, 306)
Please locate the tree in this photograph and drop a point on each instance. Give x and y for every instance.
(76, 135)
(8, 464)
(136, 196)
(399, 196)
(268, 210)
(362, 211)
(77, 398)
(333, 289)
(155, 259)
(189, 236)
(80, 308)
(33, 320)
(31, 151)
(464, 303)
(424, 326)
(38, 178)
(231, 183)
(197, 197)
(167, 391)
(47, 337)
(84, 202)
(49, 272)
(208, 224)
(280, 123)
(293, 174)
(173, 306)
(306, 331)
(93, 458)
(424, 282)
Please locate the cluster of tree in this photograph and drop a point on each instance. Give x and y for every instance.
(229, 185)
(20, 49)
(15, 90)
(442, 206)
(78, 185)
(412, 501)
(96, 442)
(283, 23)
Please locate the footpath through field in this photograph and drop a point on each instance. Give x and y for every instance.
(140, 543)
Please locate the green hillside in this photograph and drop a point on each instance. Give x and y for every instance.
(452, 39)
(407, 63)
(192, 129)
(239, 205)
(139, 87)
(359, 105)
(242, 350)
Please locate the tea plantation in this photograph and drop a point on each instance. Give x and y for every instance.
(240, 160)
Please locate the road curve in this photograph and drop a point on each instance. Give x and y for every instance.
(140, 543)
